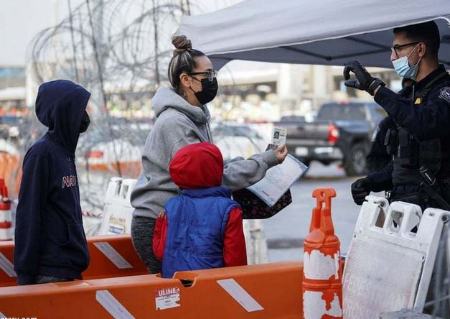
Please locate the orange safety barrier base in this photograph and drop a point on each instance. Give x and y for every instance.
(256, 291)
(122, 261)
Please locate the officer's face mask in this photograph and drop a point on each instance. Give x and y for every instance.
(85, 121)
(403, 69)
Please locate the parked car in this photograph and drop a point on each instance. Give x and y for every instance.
(341, 132)
(235, 140)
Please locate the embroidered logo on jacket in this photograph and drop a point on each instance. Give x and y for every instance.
(69, 181)
(445, 94)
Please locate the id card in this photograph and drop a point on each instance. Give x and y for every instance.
(279, 136)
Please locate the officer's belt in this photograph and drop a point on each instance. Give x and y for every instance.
(428, 182)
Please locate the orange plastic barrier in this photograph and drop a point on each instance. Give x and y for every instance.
(257, 291)
(111, 256)
(5, 213)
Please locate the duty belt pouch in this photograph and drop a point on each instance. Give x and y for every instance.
(407, 149)
(391, 141)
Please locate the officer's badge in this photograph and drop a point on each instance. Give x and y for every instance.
(445, 94)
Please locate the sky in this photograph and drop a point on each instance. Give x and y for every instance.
(21, 20)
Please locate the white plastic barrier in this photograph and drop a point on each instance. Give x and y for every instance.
(391, 258)
(118, 212)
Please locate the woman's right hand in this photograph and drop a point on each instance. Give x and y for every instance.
(281, 152)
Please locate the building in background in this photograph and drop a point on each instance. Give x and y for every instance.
(257, 91)
(12, 89)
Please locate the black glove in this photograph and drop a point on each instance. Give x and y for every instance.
(364, 81)
(360, 189)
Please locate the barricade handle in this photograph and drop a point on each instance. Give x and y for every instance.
(408, 216)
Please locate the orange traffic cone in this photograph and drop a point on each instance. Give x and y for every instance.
(322, 282)
(5, 213)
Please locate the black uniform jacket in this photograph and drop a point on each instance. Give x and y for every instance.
(425, 117)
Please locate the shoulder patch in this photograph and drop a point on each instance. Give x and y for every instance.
(445, 94)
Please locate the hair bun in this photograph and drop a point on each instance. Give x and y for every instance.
(181, 44)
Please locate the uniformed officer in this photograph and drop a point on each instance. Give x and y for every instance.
(417, 130)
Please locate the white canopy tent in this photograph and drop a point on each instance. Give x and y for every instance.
(327, 32)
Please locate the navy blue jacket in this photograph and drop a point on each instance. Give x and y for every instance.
(49, 235)
(197, 220)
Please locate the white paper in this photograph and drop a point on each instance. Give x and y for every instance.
(278, 180)
(112, 305)
(113, 255)
(167, 298)
(240, 295)
(7, 266)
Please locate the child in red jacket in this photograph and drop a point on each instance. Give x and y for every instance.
(201, 227)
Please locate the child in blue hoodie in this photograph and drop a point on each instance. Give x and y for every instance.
(50, 244)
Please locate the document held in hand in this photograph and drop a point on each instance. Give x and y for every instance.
(278, 180)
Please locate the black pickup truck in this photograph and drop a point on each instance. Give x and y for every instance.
(340, 132)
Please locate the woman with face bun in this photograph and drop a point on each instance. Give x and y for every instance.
(182, 118)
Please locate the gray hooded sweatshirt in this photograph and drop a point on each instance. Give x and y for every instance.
(178, 124)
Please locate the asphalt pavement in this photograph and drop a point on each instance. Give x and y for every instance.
(286, 231)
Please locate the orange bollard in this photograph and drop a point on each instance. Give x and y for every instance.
(10, 172)
(5, 213)
(322, 282)
(3, 164)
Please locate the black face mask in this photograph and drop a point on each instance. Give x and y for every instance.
(85, 121)
(208, 92)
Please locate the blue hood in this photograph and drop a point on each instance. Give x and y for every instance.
(60, 106)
